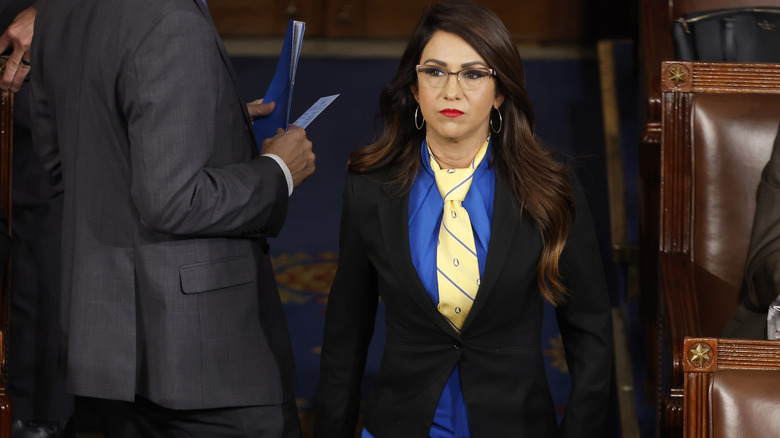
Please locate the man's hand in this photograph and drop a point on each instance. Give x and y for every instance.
(259, 109)
(294, 149)
(19, 36)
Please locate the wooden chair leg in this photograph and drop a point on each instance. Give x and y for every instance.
(6, 175)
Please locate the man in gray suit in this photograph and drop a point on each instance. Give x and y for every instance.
(170, 307)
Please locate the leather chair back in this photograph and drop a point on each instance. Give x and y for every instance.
(732, 139)
(745, 403)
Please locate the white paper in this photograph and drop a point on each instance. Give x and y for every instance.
(314, 111)
(773, 321)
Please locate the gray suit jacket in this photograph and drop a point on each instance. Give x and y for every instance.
(168, 291)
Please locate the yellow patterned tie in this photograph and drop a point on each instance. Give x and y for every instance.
(457, 266)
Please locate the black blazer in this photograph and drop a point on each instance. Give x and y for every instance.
(499, 355)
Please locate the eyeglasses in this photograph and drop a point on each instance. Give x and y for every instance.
(437, 77)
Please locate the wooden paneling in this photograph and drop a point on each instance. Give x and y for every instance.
(265, 18)
(542, 20)
(529, 20)
(372, 18)
(682, 7)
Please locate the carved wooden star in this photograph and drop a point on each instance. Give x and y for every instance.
(678, 75)
(701, 354)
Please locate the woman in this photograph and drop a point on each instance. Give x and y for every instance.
(464, 310)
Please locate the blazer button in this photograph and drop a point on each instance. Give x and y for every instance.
(457, 346)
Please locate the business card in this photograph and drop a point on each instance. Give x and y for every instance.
(307, 117)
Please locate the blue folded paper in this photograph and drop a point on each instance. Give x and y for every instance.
(281, 88)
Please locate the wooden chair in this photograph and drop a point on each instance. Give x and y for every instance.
(6, 166)
(719, 122)
(656, 46)
(731, 388)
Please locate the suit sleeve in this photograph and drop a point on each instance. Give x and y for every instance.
(191, 175)
(349, 324)
(585, 322)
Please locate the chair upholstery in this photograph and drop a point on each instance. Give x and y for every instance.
(719, 122)
(732, 141)
(731, 388)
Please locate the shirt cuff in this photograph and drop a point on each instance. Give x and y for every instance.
(286, 170)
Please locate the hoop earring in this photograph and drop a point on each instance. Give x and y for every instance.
(418, 126)
(500, 121)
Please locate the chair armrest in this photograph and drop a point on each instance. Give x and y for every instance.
(680, 304)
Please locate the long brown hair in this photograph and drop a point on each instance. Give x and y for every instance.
(539, 182)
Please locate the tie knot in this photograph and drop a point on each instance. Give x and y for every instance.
(454, 184)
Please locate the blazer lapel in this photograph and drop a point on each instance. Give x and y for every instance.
(226, 60)
(504, 225)
(394, 225)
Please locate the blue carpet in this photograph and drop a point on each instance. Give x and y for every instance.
(567, 100)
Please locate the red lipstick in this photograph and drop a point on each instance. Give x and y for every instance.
(449, 112)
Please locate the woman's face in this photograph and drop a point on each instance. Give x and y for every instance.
(453, 113)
